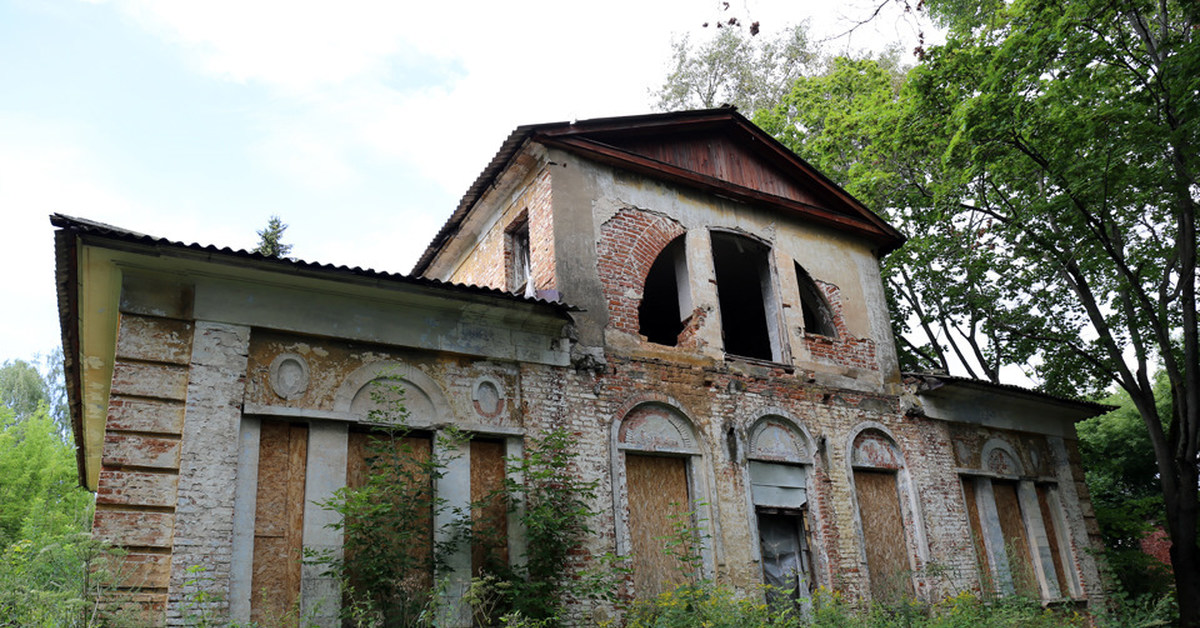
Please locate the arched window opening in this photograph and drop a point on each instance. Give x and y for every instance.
(877, 464)
(779, 465)
(666, 296)
(818, 318)
(746, 296)
(657, 444)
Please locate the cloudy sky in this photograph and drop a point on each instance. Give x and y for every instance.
(359, 122)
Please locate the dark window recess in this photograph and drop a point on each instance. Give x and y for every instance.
(742, 288)
(786, 562)
(818, 319)
(519, 273)
(660, 317)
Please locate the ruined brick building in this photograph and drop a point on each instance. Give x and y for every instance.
(700, 307)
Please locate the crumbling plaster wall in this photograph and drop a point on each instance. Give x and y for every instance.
(488, 260)
(588, 197)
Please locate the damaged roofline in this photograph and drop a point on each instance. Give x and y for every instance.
(886, 237)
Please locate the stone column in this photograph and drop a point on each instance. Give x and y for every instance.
(203, 542)
(320, 596)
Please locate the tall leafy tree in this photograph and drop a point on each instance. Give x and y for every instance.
(1044, 161)
(735, 68)
(270, 239)
(1068, 191)
(1122, 479)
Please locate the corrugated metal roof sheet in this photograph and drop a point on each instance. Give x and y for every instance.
(92, 227)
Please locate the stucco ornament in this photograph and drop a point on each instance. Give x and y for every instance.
(289, 375)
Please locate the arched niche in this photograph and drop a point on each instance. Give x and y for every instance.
(777, 439)
(657, 428)
(369, 393)
(1000, 458)
(873, 448)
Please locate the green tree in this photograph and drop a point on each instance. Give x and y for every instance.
(21, 388)
(1067, 198)
(270, 239)
(732, 68)
(1123, 483)
(1045, 162)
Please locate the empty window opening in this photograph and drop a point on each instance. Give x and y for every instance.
(520, 281)
(666, 296)
(818, 318)
(745, 296)
(780, 498)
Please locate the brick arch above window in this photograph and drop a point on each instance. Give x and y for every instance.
(630, 241)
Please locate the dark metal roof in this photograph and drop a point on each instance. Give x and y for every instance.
(929, 382)
(726, 117)
(91, 227)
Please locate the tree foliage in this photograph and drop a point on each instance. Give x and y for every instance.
(733, 68)
(1044, 162)
(270, 239)
(1122, 479)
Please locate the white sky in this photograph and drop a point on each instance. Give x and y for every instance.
(359, 122)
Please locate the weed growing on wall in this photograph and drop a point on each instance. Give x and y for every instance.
(391, 549)
(553, 508)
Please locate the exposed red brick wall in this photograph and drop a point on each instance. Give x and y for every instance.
(139, 474)
(846, 349)
(489, 264)
(630, 241)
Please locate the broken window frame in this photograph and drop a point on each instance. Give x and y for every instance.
(669, 268)
(520, 257)
(771, 332)
(817, 314)
(778, 445)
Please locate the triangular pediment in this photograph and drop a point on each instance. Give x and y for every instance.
(721, 152)
(717, 151)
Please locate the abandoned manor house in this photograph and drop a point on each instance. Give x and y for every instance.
(700, 308)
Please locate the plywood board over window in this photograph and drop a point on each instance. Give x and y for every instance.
(403, 463)
(278, 521)
(489, 513)
(658, 496)
(883, 533)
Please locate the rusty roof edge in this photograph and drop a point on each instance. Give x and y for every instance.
(929, 382)
(83, 226)
(65, 279)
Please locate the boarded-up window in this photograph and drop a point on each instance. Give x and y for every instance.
(977, 539)
(658, 491)
(278, 521)
(398, 460)
(1046, 505)
(489, 515)
(883, 534)
(1005, 522)
(1016, 542)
